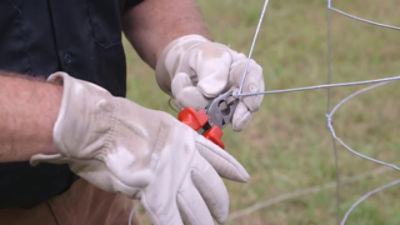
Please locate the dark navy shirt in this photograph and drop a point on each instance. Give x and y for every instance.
(39, 37)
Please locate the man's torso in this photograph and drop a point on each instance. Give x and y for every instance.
(82, 38)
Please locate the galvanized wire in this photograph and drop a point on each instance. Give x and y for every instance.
(370, 22)
(357, 203)
(376, 83)
(330, 115)
(253, 43)
(322, 86)
(328, 106)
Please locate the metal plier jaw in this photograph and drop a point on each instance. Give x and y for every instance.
(213, 119)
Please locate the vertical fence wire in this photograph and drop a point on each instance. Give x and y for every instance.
(328, 107)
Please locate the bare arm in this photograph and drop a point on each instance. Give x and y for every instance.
(28, 110)
(152, 24)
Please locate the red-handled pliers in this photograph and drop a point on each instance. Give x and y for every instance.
(211, 120)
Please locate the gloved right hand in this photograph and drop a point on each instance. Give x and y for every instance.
(120, 146)
(194, 71)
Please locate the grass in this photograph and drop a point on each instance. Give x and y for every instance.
(287, 146)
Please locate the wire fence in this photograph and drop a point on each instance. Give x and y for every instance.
(330, 112)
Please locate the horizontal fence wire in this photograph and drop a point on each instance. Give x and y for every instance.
(322, 86)
(363, 20)
(278, 199)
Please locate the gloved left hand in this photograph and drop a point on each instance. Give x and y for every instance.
(120, 146)
(194, 70)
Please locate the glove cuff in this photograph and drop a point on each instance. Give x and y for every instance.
(169, 57)
(79, 99)
(58, 158)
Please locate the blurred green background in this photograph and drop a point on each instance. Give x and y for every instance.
(287, 148)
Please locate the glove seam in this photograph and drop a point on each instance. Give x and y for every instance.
(156, 148)
(108, 139)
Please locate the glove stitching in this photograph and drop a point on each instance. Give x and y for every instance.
(108, 137)
(161, 138)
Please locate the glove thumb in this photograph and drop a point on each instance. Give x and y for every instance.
(212, 63)
(186, 94)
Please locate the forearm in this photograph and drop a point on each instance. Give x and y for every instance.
(152, 24)
(28, 110)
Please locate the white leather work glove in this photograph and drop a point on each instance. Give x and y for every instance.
(120, 146)
(194, 70)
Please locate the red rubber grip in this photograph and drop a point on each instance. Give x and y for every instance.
(214, 134)
(192, 118)
(196, 120)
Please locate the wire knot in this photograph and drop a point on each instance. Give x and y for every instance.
(329, 119)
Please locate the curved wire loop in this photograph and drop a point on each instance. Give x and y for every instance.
(330, 115)
(367, 195)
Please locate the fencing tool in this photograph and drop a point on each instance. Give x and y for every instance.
(213, 119)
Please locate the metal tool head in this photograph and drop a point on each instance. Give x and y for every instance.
(222, 108)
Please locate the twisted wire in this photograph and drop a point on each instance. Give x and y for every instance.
(329, 117)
